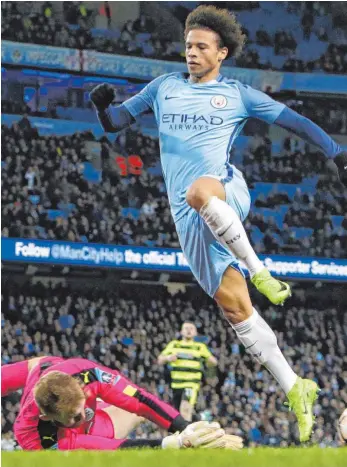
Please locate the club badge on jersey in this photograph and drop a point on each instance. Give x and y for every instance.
(105, 377)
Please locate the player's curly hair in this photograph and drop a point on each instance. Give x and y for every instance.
(220, 21)
(57, 393)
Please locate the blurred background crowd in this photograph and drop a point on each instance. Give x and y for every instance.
(47, 194)
(127, 329)
(64, 179)
(289, 36)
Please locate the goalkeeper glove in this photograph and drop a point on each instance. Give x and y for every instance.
(341, 162)
(199, 434)
(226, 442)
(102, 96)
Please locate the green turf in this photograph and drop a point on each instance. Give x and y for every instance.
(260, 457)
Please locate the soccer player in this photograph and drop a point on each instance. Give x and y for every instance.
(185, 359)
(59, 409)
(199, 115)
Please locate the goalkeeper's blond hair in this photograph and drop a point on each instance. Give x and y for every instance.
(57, 393)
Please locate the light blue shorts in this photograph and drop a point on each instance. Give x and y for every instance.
(207, 258)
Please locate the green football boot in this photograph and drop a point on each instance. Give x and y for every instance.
(276, 291)
(301, 398)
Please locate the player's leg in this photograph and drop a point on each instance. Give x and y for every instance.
(261, 342)
(186, 410)
(208, 197)
(218, 272)
(113, 422)
(123, 422)
(177, 395)
(187, 404)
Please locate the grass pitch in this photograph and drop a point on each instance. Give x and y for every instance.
(259, 457)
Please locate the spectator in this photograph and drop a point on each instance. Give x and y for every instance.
(127, 330)
(144, 24)
(44, 28)
(30, 177)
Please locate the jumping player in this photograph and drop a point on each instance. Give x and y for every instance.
(59, 409)
(199, 115)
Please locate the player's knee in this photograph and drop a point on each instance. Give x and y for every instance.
(197, 196)
(235, 314)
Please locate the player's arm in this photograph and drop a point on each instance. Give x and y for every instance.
(167, 355)
(212, 361)
(90, 442)
(14, 375)
(209, 358)
(207, 435)
(115, 118)
(126, 395)
(259, 105)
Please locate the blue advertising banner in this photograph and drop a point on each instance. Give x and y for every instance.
(162, 259)
(48, 126)
(17, 53)
(148, 69)
(98, 63)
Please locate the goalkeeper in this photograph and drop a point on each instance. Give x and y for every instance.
(59, 409)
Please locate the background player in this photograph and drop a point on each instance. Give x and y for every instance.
(186, 359)
(59, 411)
(199, 116)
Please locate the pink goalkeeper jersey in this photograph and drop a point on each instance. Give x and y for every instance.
(99, 382)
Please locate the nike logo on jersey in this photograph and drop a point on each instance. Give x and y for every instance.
(171, 97)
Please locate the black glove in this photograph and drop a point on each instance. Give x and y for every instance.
(341, 162)
(102, 96)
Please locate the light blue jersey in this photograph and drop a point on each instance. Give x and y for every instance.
(198, 124)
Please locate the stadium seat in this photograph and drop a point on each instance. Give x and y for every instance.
(91, 174)
(53, 214)
(132, 212)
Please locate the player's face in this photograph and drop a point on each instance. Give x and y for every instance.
(73, 419)
(203, 55)
(188, 331)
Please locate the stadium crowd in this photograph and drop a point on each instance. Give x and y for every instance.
(314, 109)
(42, 27)
(44, 173)
(122, 330)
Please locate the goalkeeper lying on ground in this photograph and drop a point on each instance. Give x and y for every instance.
(59, 409)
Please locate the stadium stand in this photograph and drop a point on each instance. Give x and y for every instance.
(84, 186)
(65, 198)
(320, 42)
(127, 329)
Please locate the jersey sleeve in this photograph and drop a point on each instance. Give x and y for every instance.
(168, 349)
(144, 100)
(99, 443)
(27, 432)
(13, 377)
(259, 105)
(308, 131)
(73, 440)
(122, 393)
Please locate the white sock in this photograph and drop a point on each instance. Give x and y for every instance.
(229, 231)
(260, 341)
